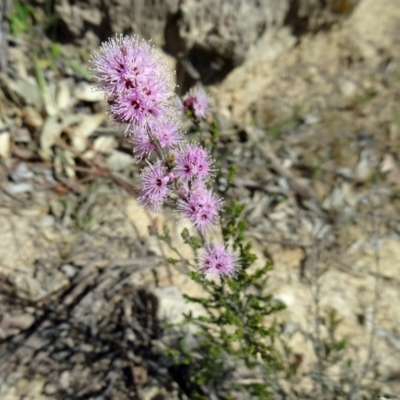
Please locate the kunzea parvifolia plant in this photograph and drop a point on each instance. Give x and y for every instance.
(181, 173)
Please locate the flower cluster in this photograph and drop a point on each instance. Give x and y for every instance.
(200, 206)
(196, 101)
(140, 92)
(192, 162)
(216, 259)
(137, 84)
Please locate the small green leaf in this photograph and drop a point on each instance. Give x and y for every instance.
(40, 79)
(19, 18)
(55, 50)
(80, 69)
(185, 234)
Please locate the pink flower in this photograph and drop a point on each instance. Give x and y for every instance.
(215, 259)
(154, 180)
(136, 82)
(201, 207)
(120, 61)
(192, 161)
(167, 134)
(146, 104)
(142, 144)
(197, 102)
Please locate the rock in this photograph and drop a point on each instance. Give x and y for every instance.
(47, 221)
(280, 75)
(172, 305)
(69, 270)
(367, 165)
(210, 37)
(119, 161)
(71, 15)
(19, 188)
(21, 173)
(347, 87)
(65, 378)
(217, 36)
(50, 389)
(227, 29)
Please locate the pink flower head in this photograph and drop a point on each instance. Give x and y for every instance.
(154, 180)
(192, 161)
(201, 207)
(215, 259)
(120, 61)
(136, 81)
(167, 134)
(197, 102)
(142, 144)
(146, 104)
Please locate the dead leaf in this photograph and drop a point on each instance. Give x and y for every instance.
(52, 130)
(105, 144)
(68, 162)
(64, 99)
(84, 129)
(389, 163)
(60, 189)
(5, 145)
(49, 99)
(87, 92)
(32, 118)
(27, 91)
(119, 161)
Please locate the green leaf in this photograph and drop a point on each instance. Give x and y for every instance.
(231, 174)
(55, 50)
(80, 69)
(185, 234)
(19, 18)
(40, 79)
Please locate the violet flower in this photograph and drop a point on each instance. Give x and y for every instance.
(197, 102)
(201, 207)
(136, 82)
(154, 181)
(140, 92)
(168, 134)
(192, 161)
(215, 259)
(143, 145)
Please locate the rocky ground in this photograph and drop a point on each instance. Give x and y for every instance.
(309, 103)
